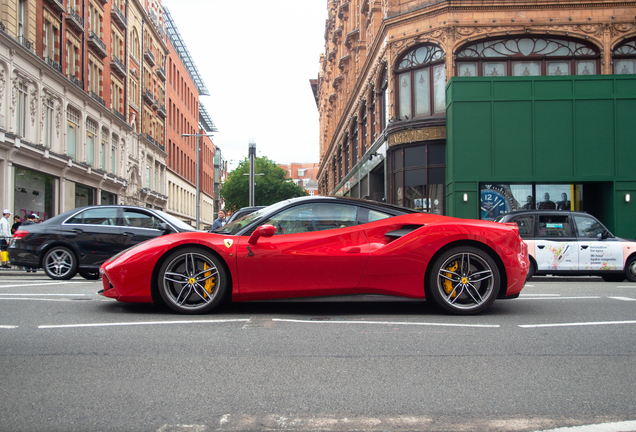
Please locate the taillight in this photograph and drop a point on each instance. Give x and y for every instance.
(19, 234)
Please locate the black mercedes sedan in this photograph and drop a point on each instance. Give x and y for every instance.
(82, 239)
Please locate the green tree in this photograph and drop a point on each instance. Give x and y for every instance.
(269, 188)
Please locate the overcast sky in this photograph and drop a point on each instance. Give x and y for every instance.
(256, 59)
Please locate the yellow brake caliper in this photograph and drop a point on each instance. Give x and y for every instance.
(448, 285)
(209, 283)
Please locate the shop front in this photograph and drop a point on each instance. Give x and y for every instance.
(547, 143)
(33, 193)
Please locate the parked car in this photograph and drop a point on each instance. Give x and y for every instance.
(318, 246)
(573, 243)
(80, 240)
(243, 211)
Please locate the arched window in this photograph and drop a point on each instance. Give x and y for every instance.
(136, 50)
(527, 56)
(624, 58)
(384, 99)
(421, 75)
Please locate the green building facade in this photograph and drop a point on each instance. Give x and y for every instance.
(565, 142)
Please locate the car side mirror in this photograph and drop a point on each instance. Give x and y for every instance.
(261, 231)
(165, 228)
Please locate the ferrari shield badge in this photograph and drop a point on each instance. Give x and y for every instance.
(228, 243)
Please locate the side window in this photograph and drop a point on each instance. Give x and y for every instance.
(95, 216)
(314, 217)
(140, 219)
(554, 226)
(525, 224)
(376, 215)
(588, 227)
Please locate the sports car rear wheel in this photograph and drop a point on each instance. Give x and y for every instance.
(192, 281)
(464, 280)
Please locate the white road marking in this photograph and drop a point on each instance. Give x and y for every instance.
(577, 324)
(625, 426)
(559, 298)
(36, 299)
(623, 298)
(7, 327)
(388, 323)
(41, 284)
(39, 295)
(140, 323)
(539, 295)
(628, 286)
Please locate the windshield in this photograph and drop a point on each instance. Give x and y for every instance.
(237, 225)
(174, 221)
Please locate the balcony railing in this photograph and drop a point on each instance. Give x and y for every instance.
(27, 43)
(98, 98)
(161, 111)
(119, 115)
(161, 73)
(118, 17)
(117, 65)
(75, 80)
(75, 19)
(150, 58)
(57, 5)
(148, 97)
(55, 65)
(97, 44)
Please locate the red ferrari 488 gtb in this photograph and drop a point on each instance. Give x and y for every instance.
(325, 246)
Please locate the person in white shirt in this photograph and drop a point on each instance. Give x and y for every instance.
(5, 237)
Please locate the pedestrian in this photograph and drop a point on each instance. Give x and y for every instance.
(220, 221)
(17, 221)
(5, 237)
(31, 219)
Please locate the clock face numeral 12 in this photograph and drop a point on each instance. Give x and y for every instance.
(493, 204)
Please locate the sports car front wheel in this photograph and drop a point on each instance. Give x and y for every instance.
(192, 281)
(464, 280)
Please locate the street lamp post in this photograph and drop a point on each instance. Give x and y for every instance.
(198, 193)
(252, 157)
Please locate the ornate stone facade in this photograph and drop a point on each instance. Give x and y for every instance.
(365, 41)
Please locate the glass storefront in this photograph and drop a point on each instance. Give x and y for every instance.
(84, 196)
(33, 194)
(108, 198)
(417, 177)
(502, 198)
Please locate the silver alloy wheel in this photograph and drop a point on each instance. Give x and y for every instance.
(191, 281)
(59, 263)
(465, 281)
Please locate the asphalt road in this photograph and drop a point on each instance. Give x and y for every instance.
(563, 354)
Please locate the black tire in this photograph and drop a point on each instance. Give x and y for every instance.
(630, 269)
(90, 274)
(531, 270)
(464, 280)
(192, 281)
(60, 263)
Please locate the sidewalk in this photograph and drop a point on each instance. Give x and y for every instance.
(15, 271)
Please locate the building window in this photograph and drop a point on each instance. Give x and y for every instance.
(417, 177)
(91, 132)
(72, 127)
(113, 153)
(625, 58)
(103, 149)
(136, 46)
(384, 99)
(94, 78)
(49, 39)
(148, 176)
(48, 122)
(421, 75)
(23, 93)
(527, 56)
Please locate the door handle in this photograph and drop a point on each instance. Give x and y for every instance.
(128, 234)
(541, 247)
(583, 247)
(354, 249)
(78, 230)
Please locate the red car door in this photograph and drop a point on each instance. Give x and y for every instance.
(318, 249)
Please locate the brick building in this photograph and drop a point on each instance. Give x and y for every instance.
(382, 97)
(303, 174)
(83, 105)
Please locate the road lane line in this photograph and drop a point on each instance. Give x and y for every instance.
(7, 327)
(388, 323)
(623, 298)
(39, 295)
(140, 323)
(42, 284)
(558, 298)
(626, 286)
(580, 324)
(600, 427)
(539, 295)
(36, 299)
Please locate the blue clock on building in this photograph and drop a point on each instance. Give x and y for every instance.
(493, 204)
